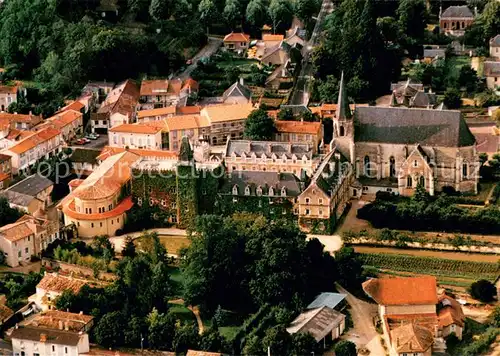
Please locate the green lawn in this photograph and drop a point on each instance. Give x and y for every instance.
(228, 332)
(242, 64)
(176, 278)
(182, 313)
(455, 63)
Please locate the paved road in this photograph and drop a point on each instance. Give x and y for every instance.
(210, 48)
(300, 95)
(332, 242)
(94, 144)
(363, 334)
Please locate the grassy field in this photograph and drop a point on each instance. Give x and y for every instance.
(455, 63)
(174, 243)
(242, 64)
(182, 313)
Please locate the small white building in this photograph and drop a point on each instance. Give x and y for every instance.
(29, 340)
(139, 136)
(52, 286)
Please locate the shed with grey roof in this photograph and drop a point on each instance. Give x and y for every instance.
(30, 194)
(331, 300)
(322, 323)
(454, 12)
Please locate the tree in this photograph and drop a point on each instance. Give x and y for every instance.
(420, 194)
(468, 78)
(483, 290)
(160, 9)
(280, 12)
(304, 344)
(305, 9)
(8, 215)
(256, 13)
(103, 246)
(278, 340)
(286, 115)
(490, 20)
(350, 268)
(211, 340)
(208, 11)
(186, 337)
(345, 348)
(161, 329)
(109, 329)
(483, 158)
(259, 126)
(129, 247)
(452, 99)
(495, 317)
(412, 19)
(232, 12)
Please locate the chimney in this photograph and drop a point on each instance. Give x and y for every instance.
(66, 326)
(60, 325)
(81, 312)
(15, 112)
(475, 11)
(43, 337)
(242, 81)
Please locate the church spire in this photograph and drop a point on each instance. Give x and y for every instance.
(343, 111)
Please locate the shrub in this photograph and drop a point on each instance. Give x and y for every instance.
(483, 290)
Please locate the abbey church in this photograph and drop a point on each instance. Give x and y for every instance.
(394, 149)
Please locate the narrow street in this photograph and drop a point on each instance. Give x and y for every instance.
(363, 333)
(300, 95)
(210, 48)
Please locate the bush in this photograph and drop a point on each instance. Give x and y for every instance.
(483, 290)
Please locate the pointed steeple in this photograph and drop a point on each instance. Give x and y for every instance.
(343, 111)
(394, 101)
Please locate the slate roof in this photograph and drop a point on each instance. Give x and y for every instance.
(237, 90)
(52, 336)
(268, 148)
(495, 41)
(410, 82)
(31, 185)
(423, 99)
(264, 180)
(318, 322)
(330, 300)
(18, 199)
(433, 53)
(457, 11)
(443, 128)
(491, 69)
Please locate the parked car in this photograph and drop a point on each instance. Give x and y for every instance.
(86, 140)
(80, 142)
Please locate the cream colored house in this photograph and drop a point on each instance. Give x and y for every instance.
(27, 237)
(491, 72)
(8, 95)
(96, 205)
(272, 156)
(139, 136)
(495, 47)
(68, 122)
(413, 317)
(42, 144)
(299, 131)
(52, 286)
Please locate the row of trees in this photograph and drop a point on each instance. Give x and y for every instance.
(367, 48)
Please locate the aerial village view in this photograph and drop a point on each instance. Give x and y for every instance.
(249, 177)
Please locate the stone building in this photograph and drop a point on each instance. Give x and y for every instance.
(294, 157)
(394, 149)
(495, 47)
(455, 19)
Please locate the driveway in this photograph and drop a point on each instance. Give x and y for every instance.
(363, 334)
(210, 48)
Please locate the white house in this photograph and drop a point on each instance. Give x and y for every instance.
(136, 136)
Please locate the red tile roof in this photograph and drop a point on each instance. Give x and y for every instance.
(136, 128)
(34, 140)
(124, 206)
(450, 312)
(237, 37)
(402, 290)
(161, 87)
(111, 151)
(64, 118)
(312, 128)
(75, 105)
(4, 89)
(188, 110)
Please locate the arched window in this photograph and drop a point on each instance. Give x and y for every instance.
(258, 191)
(463, 24)
(247, 190)
(453, 25)
(367, 166)
(446, 25)
(409, 182)
(283, 192)
(392, 167)
(422, 181)
(271, 191)
(341, 131)
(235, 190)
(464, 170)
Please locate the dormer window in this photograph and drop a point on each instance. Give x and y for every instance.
(271, 191)
(233, 156)
(304, 159)
(235, 190)
(283, 192)
(258, 191)
(283, 159)
(264, 158)
(247, 190)
(243, 155)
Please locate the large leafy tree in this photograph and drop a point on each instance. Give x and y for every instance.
(259, 126)
(256, 13)
(305, 9)
(160, 9)
(280, 12)
(207, 11)
(8, 215)
(412, 20)
(232, 12)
